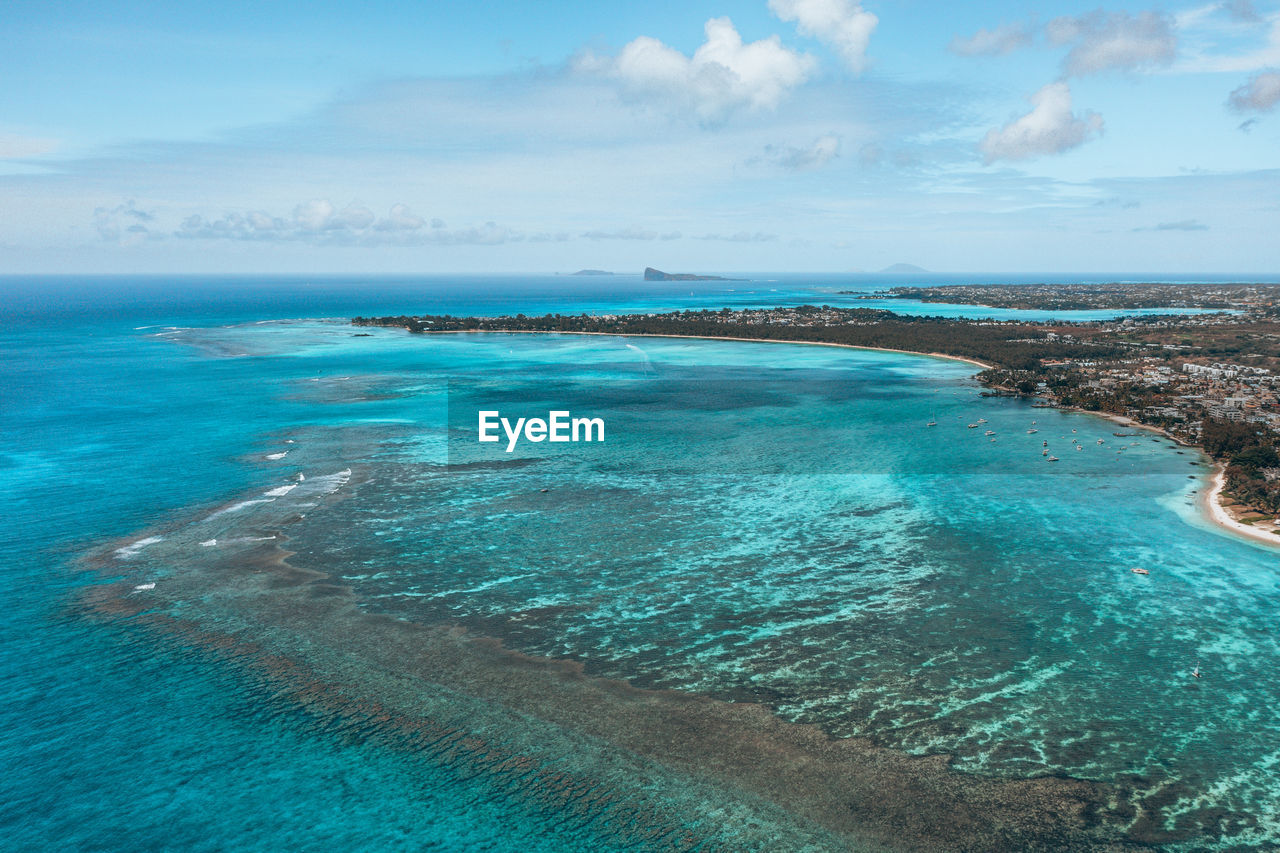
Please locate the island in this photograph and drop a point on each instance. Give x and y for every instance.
(650, 274)
(591, 272)
(1206, 380)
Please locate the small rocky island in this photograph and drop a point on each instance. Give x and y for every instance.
(650, 274)
(591, 272)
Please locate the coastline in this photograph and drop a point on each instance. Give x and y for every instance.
(1222, 517)
(972, 361)
(1209, 505)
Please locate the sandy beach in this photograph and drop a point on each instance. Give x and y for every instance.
(1221, 516)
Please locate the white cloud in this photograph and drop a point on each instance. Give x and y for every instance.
(1261, 93)
(123, 223)
(633, 232)
(13, 146)
(1003, 39)
(1114, 40)
(843, 24)
(741, 237)
(822, 151)
(1180, 225)
(319, 222)
(724, 74)
(1050, 128)
(401, 218)
(321, 215)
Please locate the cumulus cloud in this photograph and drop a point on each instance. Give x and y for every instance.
(1050, 128)
(633, 232)
(1261, 93)
(123, 224)
(1102, 41)
(723, 75)
(822, 151)
(1003, 39)
(318, 221)
(321, 215)
(842, 24)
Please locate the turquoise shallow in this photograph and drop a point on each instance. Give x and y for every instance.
(768, 525)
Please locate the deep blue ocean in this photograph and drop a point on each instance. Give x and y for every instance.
(768, 523)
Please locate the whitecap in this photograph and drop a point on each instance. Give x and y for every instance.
(282, 454)
(142, 586)
(132, 550)
(281, 491)
(209, 543)
(239, 506)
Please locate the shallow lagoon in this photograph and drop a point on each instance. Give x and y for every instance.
(775, 524)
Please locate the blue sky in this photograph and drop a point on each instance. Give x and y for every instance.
(823, 135)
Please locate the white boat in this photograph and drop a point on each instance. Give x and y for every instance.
(1140, 571)
(1053, 459)
(1032, 431)
(990, 432)
(1196, 672)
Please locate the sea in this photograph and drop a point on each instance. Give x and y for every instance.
(265, 590)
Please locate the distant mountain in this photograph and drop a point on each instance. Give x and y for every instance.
(592, 272)
(650, 274)
(903, 269)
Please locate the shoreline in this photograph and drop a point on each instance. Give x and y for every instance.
(960, 358)
(1211, 509)
(1221, 515)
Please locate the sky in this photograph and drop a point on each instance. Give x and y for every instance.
(703, 135)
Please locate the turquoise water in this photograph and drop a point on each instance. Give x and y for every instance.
(765, 523)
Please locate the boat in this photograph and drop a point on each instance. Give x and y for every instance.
(1053, 459)
(982, 420)
(1032, 431)
(1100, 441)
(932, 423)
(990, 432)
(1079, 447)
(1044, 452)
(1196, 672)
(1044, 444)
(1140, 571)
(973, 426)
